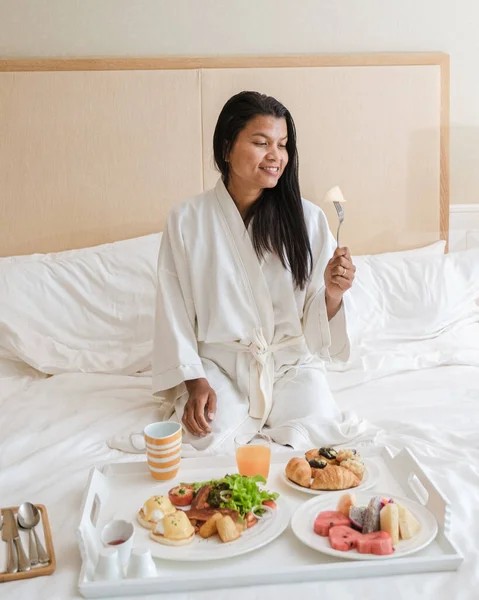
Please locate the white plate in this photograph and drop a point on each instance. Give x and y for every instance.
(303, 521)
(369, 480)
(265, 531)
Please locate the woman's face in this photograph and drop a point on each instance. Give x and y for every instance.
(259, 155)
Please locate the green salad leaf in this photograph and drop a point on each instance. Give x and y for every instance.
(244, 493)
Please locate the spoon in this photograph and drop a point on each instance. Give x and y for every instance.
(28, 518)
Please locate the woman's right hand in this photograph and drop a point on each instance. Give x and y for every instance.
(201, 402)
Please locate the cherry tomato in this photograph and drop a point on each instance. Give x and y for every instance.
(270, 503)
(181, 495)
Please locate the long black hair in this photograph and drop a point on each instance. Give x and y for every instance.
(277, 216)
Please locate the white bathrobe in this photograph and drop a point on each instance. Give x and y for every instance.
(241, 323)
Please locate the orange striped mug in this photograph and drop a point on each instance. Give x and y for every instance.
(163, 448)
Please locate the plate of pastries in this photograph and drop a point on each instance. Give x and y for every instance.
(329, 470)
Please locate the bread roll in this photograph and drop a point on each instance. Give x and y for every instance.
(355, 466)
(346, 453)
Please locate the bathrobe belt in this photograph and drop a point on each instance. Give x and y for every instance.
(255, 369)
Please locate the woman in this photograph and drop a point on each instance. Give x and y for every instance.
(250, 295)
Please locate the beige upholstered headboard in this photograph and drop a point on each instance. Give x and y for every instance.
(93, 151)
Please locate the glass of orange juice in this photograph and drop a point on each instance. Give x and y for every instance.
(253, 454)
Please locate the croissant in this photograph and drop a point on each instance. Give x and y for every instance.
(334, 478)
(299, 471)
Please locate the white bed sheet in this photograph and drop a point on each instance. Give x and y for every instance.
(53, 430)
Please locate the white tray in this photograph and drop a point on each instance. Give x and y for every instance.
(285, 560)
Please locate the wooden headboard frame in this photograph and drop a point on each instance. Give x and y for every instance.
(68, 209)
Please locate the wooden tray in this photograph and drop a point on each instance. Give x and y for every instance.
(36, 571)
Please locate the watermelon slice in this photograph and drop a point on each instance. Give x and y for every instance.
(344, 539)
(327, 519)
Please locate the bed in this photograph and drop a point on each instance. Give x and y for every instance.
(86, 198)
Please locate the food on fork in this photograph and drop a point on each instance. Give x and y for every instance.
(334, 478)
(154, 511)
(174, 530)
(334, 195)
(299, 471)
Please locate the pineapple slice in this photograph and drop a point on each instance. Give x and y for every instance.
(408, 524)
(389, 519)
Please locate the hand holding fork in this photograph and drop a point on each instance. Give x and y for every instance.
(336, 197)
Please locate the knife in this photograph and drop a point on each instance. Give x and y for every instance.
(16, 561)
(12, 565)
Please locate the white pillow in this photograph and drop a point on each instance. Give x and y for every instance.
(88, 310)
(434, 249)
(402, 297)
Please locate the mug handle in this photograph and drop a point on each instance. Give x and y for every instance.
(138, 448)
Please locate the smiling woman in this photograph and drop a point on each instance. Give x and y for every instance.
(248, 310)
(259, 156)
(255, 149)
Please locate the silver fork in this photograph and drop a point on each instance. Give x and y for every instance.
(340, 211)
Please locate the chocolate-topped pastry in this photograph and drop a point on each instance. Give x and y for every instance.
(313, 453)
(322, 454)
(316, 463)
(329, 453)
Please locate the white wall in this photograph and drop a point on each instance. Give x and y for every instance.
(464, 227)
(65, 28)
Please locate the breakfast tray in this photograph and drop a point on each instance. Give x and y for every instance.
(285, 560)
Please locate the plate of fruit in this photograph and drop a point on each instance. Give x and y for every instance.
(329, 470)
(363, 526)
